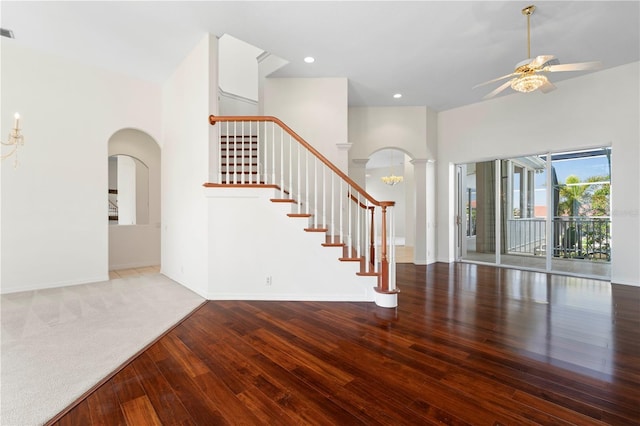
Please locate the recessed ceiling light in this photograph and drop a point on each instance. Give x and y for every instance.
(397, 95)
(309, 59)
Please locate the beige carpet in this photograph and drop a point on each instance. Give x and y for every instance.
(58, 343)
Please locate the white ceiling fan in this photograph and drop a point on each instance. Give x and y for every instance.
(529, 74)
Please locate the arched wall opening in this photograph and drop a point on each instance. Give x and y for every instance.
(387, 162)
(134, 188)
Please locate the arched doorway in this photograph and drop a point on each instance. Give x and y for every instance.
(134, 201)
(395, 162)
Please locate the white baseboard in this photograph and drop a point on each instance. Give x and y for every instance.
(7, 289)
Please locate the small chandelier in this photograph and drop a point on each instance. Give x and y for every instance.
(392, 179)
(528, 82)
(15, 140)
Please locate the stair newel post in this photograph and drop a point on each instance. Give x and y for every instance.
(372, 244)
(383, 283)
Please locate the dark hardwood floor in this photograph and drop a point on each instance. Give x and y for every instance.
(468, 344)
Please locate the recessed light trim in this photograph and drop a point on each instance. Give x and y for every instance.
(397, 95)
(309, 59)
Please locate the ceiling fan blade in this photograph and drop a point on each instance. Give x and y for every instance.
(498, 90)
(547, 87)
(495, 79)
(539, 61)
(581, 66)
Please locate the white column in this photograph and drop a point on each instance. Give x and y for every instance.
(420, 176)
(358, 171)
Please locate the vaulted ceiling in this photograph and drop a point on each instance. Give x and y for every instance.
(432, 52)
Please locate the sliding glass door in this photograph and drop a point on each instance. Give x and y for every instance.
(476, 211)
(544, 212)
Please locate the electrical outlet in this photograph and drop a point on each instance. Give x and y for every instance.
(268, 280)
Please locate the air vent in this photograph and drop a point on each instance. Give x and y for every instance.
(6, 33)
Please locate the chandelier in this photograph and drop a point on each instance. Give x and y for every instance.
(392, 179)
(15, 140)
(528, 82)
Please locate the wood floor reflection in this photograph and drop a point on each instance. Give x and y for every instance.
(468, 344)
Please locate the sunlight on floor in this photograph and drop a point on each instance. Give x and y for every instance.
(122, 273)
(404, 254)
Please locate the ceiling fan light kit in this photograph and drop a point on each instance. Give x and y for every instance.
(527, 76)
(528, 83)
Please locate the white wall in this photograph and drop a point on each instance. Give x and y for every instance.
(314, 108)
(594, 110)
(54, 205)
(126, 190)
(238, 70)
(189, 97)
(374, 128)
(252, 239)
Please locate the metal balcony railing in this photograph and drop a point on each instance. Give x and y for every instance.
(573, 237)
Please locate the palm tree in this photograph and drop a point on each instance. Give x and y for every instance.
(571, 196)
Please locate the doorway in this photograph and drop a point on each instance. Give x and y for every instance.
(134, 201)
(548, 212)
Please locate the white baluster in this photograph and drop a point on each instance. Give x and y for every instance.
(235, 152)
(306, 180)
(299, 197)
(315, 192)
(340, 213)
(281, 163)
(273, 150)
(333, 203)
(243, 155)
(290, 182)
(324, 195)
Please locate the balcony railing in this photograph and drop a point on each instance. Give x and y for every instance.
(573, 237)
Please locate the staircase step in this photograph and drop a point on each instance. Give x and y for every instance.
(316, 229)
(368, 274)
(299, 214)
(282, 200)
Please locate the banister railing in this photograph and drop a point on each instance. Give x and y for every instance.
(262, 150)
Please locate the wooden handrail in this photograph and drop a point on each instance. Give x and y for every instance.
(213, 120)
(383, 277)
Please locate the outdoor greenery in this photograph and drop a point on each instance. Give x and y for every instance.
(588, 198)
(588, 237)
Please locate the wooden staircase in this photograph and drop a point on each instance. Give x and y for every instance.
(348, 254)
(256, 151)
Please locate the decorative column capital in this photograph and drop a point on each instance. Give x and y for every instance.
(360, 162)
(417, 161)
(344, 146)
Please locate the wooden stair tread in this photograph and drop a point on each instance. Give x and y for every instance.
(299, 215)
(368, 274)
(316, 229)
